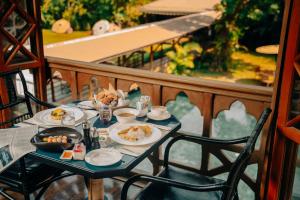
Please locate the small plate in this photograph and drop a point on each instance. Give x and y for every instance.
(161, 117)
(103, 157)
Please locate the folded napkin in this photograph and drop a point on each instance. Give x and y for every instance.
(131, 150)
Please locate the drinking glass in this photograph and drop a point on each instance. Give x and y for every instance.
(147, 100)
(105, 114)
(68, 119)
(143, 105)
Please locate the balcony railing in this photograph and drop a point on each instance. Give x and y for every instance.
(210, 97)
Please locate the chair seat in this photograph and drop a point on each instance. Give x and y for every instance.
(36, 174)
(160, 192)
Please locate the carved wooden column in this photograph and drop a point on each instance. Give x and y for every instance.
(20, 27)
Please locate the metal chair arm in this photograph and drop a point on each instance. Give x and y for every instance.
(169, 182)
(201, 140)
(36, 100)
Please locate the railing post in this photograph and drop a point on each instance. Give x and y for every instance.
(207, 123)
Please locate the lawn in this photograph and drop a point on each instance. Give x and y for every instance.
(247, 67)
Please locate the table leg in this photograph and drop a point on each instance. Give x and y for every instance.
(156, 155)
(96, 189)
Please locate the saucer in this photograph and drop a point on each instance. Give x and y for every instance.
(164, 116)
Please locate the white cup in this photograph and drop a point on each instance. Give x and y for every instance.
(158, 110)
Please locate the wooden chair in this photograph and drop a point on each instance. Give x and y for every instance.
(174, 183)
(25, 176)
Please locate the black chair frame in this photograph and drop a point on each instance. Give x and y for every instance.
(28, 97)
(20, 185)
(228, 187)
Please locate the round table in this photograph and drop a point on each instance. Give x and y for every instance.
(268, 49)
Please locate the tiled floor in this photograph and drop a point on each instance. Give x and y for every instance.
(73, 188)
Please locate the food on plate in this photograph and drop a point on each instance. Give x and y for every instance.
(135, 133)
(58, 113)
(108, 97)
(126, 115)
(56, 139)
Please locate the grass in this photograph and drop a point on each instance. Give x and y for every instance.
(51, 37)
(247, 67)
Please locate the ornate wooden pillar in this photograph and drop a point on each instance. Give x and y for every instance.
(287, 133)
(21, 41)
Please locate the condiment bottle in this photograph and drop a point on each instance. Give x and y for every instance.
(86, 134)
(95, 139)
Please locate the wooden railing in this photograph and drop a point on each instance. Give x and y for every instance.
(211, 97)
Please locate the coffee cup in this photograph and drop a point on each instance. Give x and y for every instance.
(158, 110)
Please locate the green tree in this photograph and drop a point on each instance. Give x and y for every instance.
(239, 17)
(182, 59)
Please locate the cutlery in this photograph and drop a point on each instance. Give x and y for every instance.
(166, 128)
(128, 151)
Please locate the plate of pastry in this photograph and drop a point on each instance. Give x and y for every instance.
(54, 116)
(135, 134)
(109, 97)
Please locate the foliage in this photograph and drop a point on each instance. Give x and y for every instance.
(182, 60)
(260, 20)
(239, 17)
(84, 13)
(129, 14)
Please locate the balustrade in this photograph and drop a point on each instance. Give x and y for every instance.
(210, 97)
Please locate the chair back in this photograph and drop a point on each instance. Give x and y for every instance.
(240, 164)
(14, 107)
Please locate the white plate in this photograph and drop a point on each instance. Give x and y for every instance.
(86, 105)
(44, 116)
(155, 136)
(103, 157)
(161, 117)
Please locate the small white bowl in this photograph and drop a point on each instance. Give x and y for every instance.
(126, 115)
(158, 110)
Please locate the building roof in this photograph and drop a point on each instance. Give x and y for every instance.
(179, 7)
(103, 47)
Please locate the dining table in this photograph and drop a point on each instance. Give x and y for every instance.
(131, 155)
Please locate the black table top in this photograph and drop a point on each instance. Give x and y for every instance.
(119, 169)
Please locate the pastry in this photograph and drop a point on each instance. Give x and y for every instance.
(58, 114)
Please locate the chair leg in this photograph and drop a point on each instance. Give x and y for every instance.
(26, 196)
(236, 195)
(5, 195)
(24, 179)
(86, 181)
(41, 192)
